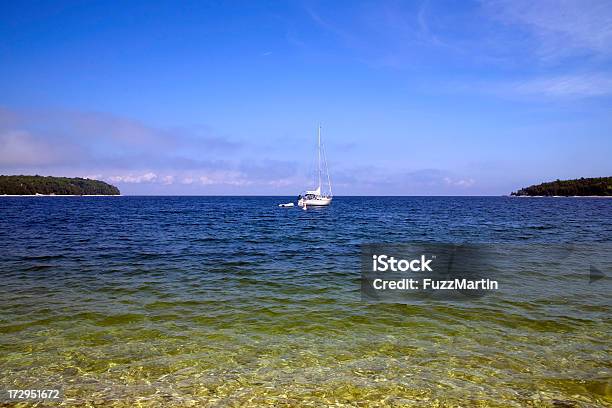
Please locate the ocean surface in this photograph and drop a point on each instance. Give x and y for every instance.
(232, 301)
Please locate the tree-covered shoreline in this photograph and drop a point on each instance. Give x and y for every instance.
(32, 185)
(598, 186)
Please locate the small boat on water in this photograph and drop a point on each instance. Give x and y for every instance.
(317, 197)
(286, 205)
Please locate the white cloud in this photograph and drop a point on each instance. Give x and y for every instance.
(120, 144)
(556, 87)
(281, 183)
(230, 178)
(144, 178)
(20, 148)
(465, 183)
(561, 28)
(570, 86)
(566, 86)
(459, 182)
(167, 180)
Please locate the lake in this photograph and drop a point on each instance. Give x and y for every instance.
(232, 301)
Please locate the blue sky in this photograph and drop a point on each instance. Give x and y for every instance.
(415, 98)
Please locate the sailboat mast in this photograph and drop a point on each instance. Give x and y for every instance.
(319, 152)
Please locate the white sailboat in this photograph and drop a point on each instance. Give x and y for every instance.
(317, 197)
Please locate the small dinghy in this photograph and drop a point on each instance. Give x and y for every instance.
(286, 205)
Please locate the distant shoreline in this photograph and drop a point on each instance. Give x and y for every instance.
(61, 195)
(285, 196)
(22, 185)
(543, 196)
(582, 187)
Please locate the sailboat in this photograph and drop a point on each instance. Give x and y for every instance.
(316, 197)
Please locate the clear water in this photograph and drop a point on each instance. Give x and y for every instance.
(232, 301)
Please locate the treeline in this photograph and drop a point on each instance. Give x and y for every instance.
(599, 186)
(31, 185)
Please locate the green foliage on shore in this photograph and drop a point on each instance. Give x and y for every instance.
(600, 186)
(31, 185)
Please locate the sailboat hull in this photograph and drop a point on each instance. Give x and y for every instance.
(319, 201)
